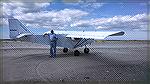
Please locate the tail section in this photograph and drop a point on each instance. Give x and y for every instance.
(16, 28)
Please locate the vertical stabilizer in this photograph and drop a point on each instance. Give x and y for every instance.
(16, 28)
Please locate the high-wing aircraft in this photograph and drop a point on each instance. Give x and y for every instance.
(66, 39)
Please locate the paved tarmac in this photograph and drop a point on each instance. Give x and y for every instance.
(107, 61)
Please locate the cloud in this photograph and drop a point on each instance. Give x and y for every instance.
(81, 23)
(51, 19)
(11, 9)
(19, 9)
(94, 5)
(101, 27)
(127, 22)
(121, 19)
(90, 6)
(87, 6)
(35, 15)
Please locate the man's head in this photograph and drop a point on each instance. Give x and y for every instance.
(52, 31)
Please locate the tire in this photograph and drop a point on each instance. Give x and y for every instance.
(86, 50)
(76, 53)
(65, 50)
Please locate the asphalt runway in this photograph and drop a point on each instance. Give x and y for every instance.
(107, 61)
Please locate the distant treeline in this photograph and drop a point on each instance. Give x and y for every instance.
(7, 40)
(124, 40)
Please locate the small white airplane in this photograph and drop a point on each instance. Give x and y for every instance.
(66, 39)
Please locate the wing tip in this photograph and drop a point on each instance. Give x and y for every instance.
(118, 34)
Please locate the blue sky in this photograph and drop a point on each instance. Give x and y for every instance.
(41, 17)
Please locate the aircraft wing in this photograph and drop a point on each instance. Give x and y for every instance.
(94, 35)
(89, 34)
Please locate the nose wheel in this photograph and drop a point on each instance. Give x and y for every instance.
(65, 50)
(76, 53)
(86, 50)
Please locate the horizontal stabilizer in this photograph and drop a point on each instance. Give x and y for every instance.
(22, 35)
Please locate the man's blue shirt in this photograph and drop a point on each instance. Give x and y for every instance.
(52, 37)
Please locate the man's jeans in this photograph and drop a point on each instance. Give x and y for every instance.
(53, 49)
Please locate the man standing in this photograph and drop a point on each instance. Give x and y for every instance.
(53, 41)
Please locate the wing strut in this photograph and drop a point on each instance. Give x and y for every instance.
(80, 42)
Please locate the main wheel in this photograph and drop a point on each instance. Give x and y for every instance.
(86, 50)
(65, 50)
(76, 53)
